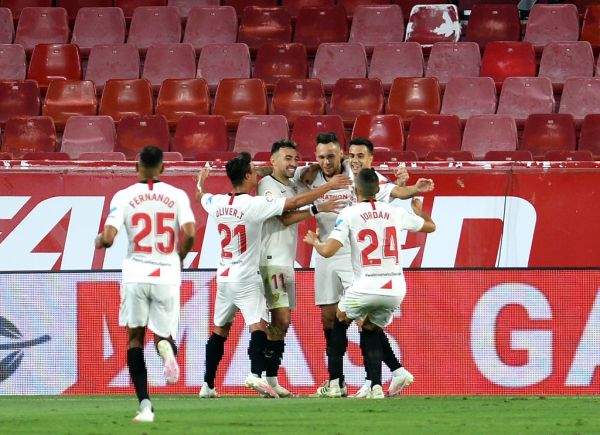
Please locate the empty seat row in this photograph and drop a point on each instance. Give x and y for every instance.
(430, 137)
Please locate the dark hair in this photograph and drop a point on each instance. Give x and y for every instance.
(327, 137)
(358, 140)
(283, 143)
(238, 167)
(151, 157)
(367, 183)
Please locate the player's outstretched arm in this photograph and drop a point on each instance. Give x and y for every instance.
(187, 240)
(422, 185)
(106, 238)
(295, 216)
(428, 225)
(336, 182)
(200, 183)
(326, 249)
(401, 176)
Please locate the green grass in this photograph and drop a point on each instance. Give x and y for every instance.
(410, 415)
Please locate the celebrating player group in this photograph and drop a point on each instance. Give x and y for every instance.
(358, 270)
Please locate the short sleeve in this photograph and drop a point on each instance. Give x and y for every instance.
(185, 214)
(411, 222)
(207, 202)
(264, 207)
(385, 192)
(269, 189)
(341, 230)
(116, 213)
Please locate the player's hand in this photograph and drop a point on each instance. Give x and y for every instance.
(309, 174)
(339, 182)
(417, 206)
(201, 178)
(311, 237)
(425, 185)
(401, 176)
(332, 205)
(98, 241)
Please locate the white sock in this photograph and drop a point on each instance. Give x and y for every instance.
(398, 371)
(272, 381)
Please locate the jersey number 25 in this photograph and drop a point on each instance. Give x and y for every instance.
(162, 227)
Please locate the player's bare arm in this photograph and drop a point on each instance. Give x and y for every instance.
(187, 241)
(200, 183)
(401, 175)
(325, 249)
(106, 238)
(295, 216)
(422, 185)
(428, 225)
(336, 182)
(263, 171)
(309, 173)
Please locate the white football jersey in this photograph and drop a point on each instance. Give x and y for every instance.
(239, 222)
(372, 229)
(278, 245)
(385, 185)
(152, 218)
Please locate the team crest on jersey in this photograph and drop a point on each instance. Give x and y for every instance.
(269, 196)
(338, 222)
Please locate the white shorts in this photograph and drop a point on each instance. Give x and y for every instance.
(332, 276)
(279, 283)
(153, 305)
(249, 298)
(379, 308)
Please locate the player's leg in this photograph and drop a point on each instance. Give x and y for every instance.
(250, 299)
(370, 345)
(163, 320)
(133, 314)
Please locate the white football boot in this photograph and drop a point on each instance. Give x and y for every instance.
(400, 378)
(261, 386)
(171, 368)
(208, 393)
(330, 389)
(145, 414)
(364, 390)
(376, 393)
(281, 391)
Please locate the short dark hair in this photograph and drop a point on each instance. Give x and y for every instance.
(367, 182)
(151, 157)
(362, 141)
(327, 137)
(238, 167)
(283, 143)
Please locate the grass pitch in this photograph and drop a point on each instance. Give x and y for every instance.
(253, 415)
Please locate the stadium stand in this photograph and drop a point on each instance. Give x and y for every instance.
(433, 133)
(239, 97)
(135, 132)
(88, 134)
(297, 97)
(493, 22)
(112, 156)
(468, 96)
(376, 24)
(211, 25)
(484, 133)
(334, 61)
(385, 131)
(453, 59)
(240, 5)
(294, 6)
(220, 61)
(548, 132)
(178, 97)
(428, 24)
(589, 138)
(590, 28)
(19, 98)
(169, 61)
(42, 25)
(184, 7)
(414, 96)
(13, 63)
(122, 98)
(502, 59)
(257, 133)
(318, 25)
(523, 96)
(98, 25)
(277, 61)
(66, 98)
(353, 97)
(25, 134)
(154, 25)
(112, 61)
(200, 134)
(396, 59)
(74, 6)
(260, 26)
(580, 97)
(307, 127)
(129, 6)
(551, 23)
(17, 6)
(54, 62)
(561, 60)
(7, 28)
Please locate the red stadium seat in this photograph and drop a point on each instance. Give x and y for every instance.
(561, 60)
(200, 133)
(154, 25)
(569, 156)
(129, 6)
(396, 59)
(433, 133)
(112, 156)
(453, 59)
(414, 96)
(54, 62)
(334, 61)
(493, 22)
(449, 156)
(178, 97)
(408, 5)
(13, 65)
(385, 131)
(277, 61)
(551, 23)
(508, 59)
(74, 6)
(7, 28)
(375, 24)
(66, 98)
(220, 61)
(351, 7)
(42, 26)
(184, 7)
(580, 97)
(135, 132)
(590, 29)
(509, 156)
(260, 26)
(394, 156)
(353, 97)
(215, 157)
(484, 133)
(589, 139)
(95, 26)
(548, 132)
(211, 25)
(428, 24)
(306, 129)
(318, 25)
(239, 97)
(85, 134)
(112, 61)
(468, 96)
(122, 98)
(257, 133)
(169, 61)
(19, 98)
(523, 96)
(45, 155)
(168, 156)
(240, 5)
(17, 6)
(297, 97)
(294, 6)
(465, 7)
(6, 156)
(25, 134)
